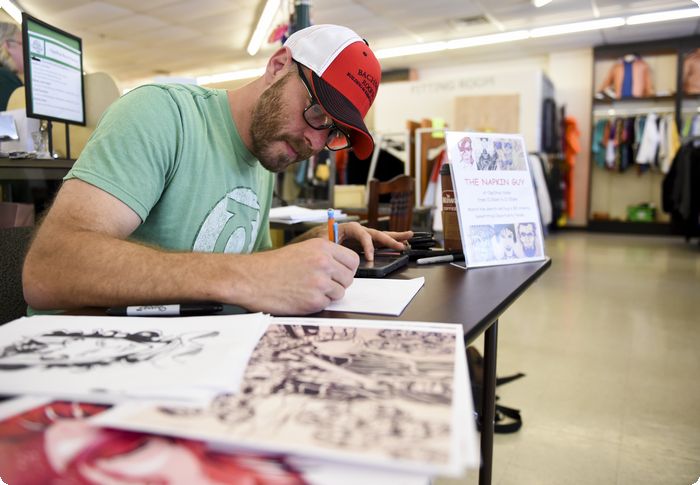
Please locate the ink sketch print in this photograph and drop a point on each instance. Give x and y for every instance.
(82, 350)
(370, 394)
(89, 358)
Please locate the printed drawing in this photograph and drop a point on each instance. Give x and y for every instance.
(86, 349)
(494, 153)
(343, 390)
(53, 443)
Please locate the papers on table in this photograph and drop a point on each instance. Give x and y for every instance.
(388, 398)
(51, 441)
(108, 359)
(292, 214)
(380, 296)
(375, 393)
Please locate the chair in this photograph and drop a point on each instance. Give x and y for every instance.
(401, 202)
(14, 242)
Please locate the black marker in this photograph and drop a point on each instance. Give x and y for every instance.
(181, 310)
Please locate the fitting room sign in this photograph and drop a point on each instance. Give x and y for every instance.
(499, 219)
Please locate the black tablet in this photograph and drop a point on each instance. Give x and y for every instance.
(381, 266)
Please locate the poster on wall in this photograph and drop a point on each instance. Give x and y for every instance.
(499, 220)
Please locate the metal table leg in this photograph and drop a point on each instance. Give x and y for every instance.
(488, 410)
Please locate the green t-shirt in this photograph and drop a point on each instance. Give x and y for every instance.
(172, 153)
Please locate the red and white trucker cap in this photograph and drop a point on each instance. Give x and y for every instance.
(345, 77)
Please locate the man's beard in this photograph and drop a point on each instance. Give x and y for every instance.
(267, 126)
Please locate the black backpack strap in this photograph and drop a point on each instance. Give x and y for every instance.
(513, 415)
(507, 379)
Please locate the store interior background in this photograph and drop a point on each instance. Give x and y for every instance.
(137, 42)
(609, 337)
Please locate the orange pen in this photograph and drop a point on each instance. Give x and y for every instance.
(331, 224)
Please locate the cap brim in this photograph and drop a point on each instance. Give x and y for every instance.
(345, 114)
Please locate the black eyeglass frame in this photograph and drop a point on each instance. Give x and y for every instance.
(332, 127)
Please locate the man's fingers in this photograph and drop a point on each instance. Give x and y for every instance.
(337, 291)
(348, 258)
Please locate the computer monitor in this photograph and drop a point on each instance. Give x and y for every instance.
(53, 73)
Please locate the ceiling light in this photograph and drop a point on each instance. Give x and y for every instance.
(663, 16)
(231, 76)
(488, 39)
(540, 3)
(577, 27)
(408, 50)
(264, 24)
(12, 10)
(472, 41)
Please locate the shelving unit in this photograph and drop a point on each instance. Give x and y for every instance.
(611, 192)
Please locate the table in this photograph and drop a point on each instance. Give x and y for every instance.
(474, 298)
(34, 168)
(32, 180)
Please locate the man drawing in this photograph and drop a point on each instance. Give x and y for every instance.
(169, 200)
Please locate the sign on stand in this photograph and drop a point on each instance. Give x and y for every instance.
(499, 219)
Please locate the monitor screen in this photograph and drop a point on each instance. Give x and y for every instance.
(53, 71)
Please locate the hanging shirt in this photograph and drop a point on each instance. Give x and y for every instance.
(650, 141)
(598, 144)
(627, 80)
(673, 144)
(610, 147)
(663, 141)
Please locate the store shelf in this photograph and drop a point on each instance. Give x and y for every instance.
(628, 101)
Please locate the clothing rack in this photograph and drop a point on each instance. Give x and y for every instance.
(612, 112)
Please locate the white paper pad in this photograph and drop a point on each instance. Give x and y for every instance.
(380, 296)
(318, 472)
(109, 359)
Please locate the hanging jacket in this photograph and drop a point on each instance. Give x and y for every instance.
(681, 189)
(572, 145)
(691, 73)
(641, 79)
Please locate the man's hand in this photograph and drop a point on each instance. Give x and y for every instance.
(298, 279)
(368, 237)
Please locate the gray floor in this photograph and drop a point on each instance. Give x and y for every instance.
(609, 339)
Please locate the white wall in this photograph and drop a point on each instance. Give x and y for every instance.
(433, 94)
(571, 72)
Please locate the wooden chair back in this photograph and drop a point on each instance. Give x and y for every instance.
(401, 202)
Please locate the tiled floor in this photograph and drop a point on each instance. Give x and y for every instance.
(609, 339)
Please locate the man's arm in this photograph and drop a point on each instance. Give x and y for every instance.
(80, 257)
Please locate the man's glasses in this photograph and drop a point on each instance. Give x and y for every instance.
(318, 119)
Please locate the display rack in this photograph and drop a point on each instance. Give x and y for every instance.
(612, 192)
